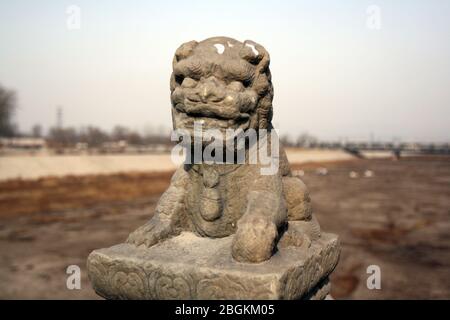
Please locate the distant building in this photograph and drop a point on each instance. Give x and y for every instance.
(23, 143)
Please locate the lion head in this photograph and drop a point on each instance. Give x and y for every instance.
(223, 83)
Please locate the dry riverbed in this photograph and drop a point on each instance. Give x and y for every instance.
(398, 219)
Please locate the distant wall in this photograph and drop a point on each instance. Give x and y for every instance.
(32, 167)
(296, 155)
(377, 154)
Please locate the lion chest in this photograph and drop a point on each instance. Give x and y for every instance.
(216, 199)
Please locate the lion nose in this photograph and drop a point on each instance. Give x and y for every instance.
(205, 93)
(211, 91)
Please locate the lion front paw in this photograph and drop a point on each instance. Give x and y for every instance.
(148, 235)
(254, 240)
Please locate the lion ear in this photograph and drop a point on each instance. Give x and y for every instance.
(256, 54)
(184, 51)
(251, 52)
(262, 82)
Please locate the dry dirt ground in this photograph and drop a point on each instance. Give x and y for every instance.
(398, 220)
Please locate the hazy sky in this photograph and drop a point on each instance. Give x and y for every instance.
(335, 75)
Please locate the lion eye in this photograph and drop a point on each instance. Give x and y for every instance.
(179, 78)
(247, 83)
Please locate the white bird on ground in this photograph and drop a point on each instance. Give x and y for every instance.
(368, 174)
(353, 174)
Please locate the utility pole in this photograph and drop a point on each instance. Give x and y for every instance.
(59, 117)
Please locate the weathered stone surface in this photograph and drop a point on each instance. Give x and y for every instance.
(225, 228)
(192, 267)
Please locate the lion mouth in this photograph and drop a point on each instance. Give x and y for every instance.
(209, 120)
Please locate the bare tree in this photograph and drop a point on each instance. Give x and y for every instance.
(7, 109)
(306, 141)
(63, 137)
(120, 133)
(285, 139)
(93, 136)
(36, 131)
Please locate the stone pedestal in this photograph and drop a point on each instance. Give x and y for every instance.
(191, 267)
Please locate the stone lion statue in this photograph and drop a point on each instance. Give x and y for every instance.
(226, 84)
